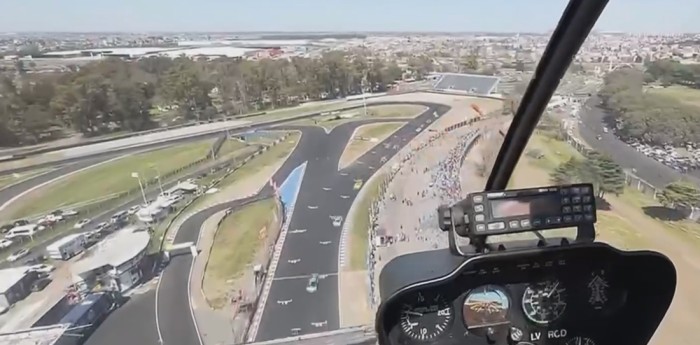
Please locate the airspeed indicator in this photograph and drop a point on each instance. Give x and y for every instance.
(426, 318)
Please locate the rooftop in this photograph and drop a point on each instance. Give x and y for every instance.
(114, 250)
(10, 276)
(48, 335)
(63, 240)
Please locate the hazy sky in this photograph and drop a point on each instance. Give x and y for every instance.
(665, 16)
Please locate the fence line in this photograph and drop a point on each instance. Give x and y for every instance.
(631, 180)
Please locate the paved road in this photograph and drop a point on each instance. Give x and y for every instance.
(290, 279)
(629, 158)
(322, 151)
(121, 327)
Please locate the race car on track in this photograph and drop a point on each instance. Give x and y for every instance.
(312, 286)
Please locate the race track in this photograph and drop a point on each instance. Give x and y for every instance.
(291, 277)
(322, 152)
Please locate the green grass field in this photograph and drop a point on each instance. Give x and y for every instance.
(235, 244)
(681, 93)
(373, 112)
(270, 157)
(108, 178)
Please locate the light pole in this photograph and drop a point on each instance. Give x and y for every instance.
(160, 185)
(143, 193)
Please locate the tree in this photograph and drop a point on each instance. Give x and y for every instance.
(599, 170)
(610, 176)
(680, 193)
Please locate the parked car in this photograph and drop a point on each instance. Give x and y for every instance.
(4, 243)
(5, 228)
(42, 268)
(81, 223)
(40, 284)
(18, 255)
(133, 209)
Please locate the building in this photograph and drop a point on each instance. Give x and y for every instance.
(483, 85)
(15, 285)
(48, 335)
(115, 262)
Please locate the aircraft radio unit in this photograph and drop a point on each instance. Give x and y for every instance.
(492, 213)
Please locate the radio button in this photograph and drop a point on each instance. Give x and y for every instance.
(514, 224)
(497, 226)
(478, 198)
(479, 217)
(566, 209)
(479, 208)
(577, 208)
(525, 223)
(480, 228)
(553, 220)
(575, 199)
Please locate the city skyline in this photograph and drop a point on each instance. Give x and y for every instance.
(640, 16)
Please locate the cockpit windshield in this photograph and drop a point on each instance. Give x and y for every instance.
(212, 172)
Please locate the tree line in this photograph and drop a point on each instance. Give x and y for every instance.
(608, 177)
(116, 95)
(650, 117)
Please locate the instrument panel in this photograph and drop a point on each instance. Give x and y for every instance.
(555, 299)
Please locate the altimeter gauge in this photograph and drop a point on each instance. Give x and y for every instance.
(426, 317)
(544, 302)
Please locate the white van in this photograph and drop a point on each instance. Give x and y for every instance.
(23, 230)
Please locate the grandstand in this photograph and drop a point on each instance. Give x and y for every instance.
(468, 83)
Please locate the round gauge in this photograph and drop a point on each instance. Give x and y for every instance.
(426, 317)
(544, 302)
(580, 341)
(486, 306)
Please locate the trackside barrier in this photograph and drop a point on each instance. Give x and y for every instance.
(216, 182)
(281, 216)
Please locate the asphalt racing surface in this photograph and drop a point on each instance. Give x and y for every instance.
(652, 171)
(316, 249)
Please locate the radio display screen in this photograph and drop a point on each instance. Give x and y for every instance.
(547, 204)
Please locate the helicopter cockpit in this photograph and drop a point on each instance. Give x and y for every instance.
(527, 292)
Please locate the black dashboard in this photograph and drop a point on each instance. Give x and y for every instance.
(590, 294)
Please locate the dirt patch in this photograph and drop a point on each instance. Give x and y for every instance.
(354, 306)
